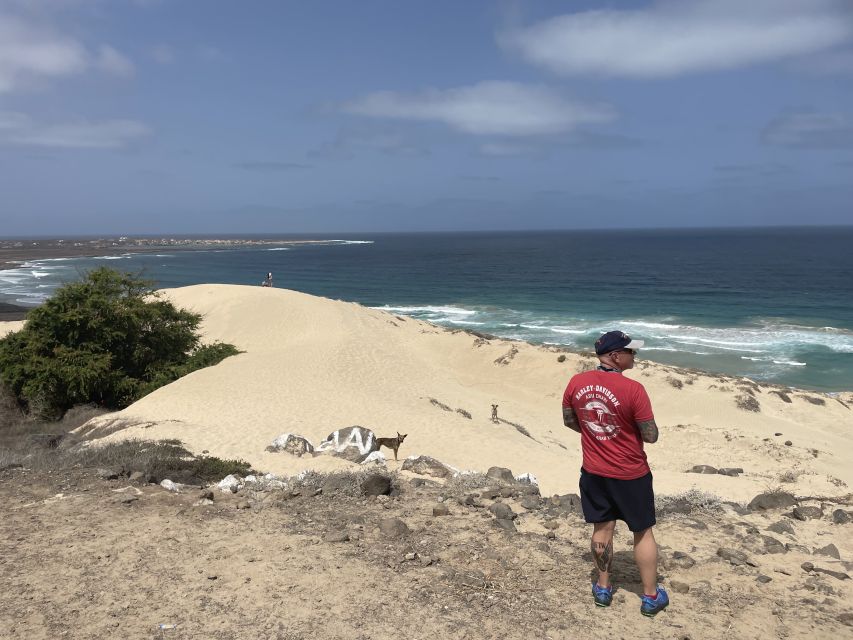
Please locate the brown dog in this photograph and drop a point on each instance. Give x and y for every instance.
(392, 443)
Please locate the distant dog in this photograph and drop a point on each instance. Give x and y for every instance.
(392, 443)
(495, 413)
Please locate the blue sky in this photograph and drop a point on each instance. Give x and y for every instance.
(179, 116)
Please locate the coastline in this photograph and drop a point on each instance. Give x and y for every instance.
(13, 252)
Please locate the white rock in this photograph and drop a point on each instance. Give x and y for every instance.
(377, 457)
(250, 479)
(168, 485)
(281, 441)
(228, 482)
(527, 478)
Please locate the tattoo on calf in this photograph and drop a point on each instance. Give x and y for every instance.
(602, 553)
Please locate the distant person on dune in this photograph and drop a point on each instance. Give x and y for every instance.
(268, 280)
(614, 416)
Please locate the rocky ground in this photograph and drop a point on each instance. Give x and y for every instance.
(89, 553)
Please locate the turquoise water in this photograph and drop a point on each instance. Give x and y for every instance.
(774, 305)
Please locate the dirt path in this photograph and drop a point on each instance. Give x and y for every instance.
(82, 557)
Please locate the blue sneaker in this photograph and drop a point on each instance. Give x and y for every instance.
(603, 595)
(652, 606)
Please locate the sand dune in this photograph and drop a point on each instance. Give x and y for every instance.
(312, 365)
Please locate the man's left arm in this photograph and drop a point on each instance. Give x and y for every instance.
(570, 420)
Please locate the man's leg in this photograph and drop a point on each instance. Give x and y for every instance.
(646, 557)
(602, 550)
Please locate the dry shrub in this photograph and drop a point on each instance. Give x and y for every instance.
(747, 403)
(675, 382)
(687, 502)
(561, 357)
(462, 483)
(789, 476)
(782, 394)
(440, 405)
(464, 413)
(814, 400)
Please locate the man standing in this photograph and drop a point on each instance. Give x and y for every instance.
(614, 416)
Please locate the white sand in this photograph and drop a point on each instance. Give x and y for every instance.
(10, 326)
(313, 365)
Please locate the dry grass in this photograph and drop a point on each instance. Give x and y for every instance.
(687, 502)
(747, 403)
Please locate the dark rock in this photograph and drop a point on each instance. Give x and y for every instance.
(798, 548)
(507, 492)
(782, 526)
(127, 499)
(336, 536)
(807, 513)
(703, 468)
(834, 574)
(678, 586)
(551, 524)
(845, 618)
(427, 466)
(734, 556)
(418, 482)
(473, 500)
(807, 566)
(734, 472)
(107, 474)
(500, 473)
(531, 503)
(440, 510)
(352, 443)
(336, 482)
(376, 484)
(788, 443)
(504, 524)
(778, 433)
(738, 508)
(840, 516)
(502, 511)
(772, 545)
(829, 550)
(764, 579)
(561, 357)
(490, 493)
(393, 528)
(678, 560)
(292, 444)
(206, 494)
(551, 535)
(571, 502)
(772, 500)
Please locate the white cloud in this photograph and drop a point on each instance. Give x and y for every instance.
(487, 108)
(20, 129)
(809, 130)
(113, 62)
(30, 52)
(676, 37)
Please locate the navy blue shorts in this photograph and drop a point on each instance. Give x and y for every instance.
(605, 499)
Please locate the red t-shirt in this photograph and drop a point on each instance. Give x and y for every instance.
(608, 407)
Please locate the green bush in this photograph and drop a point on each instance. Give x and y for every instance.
(108, 339)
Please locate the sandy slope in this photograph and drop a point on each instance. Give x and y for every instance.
(313, 365)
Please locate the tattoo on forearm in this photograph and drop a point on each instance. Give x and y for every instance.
(602, 554)
(570, 420)
(648, 431)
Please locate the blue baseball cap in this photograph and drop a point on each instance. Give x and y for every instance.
(615, 340)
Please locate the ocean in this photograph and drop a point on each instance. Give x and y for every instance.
(774, 305)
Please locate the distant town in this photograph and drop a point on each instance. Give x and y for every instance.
(15, 250)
